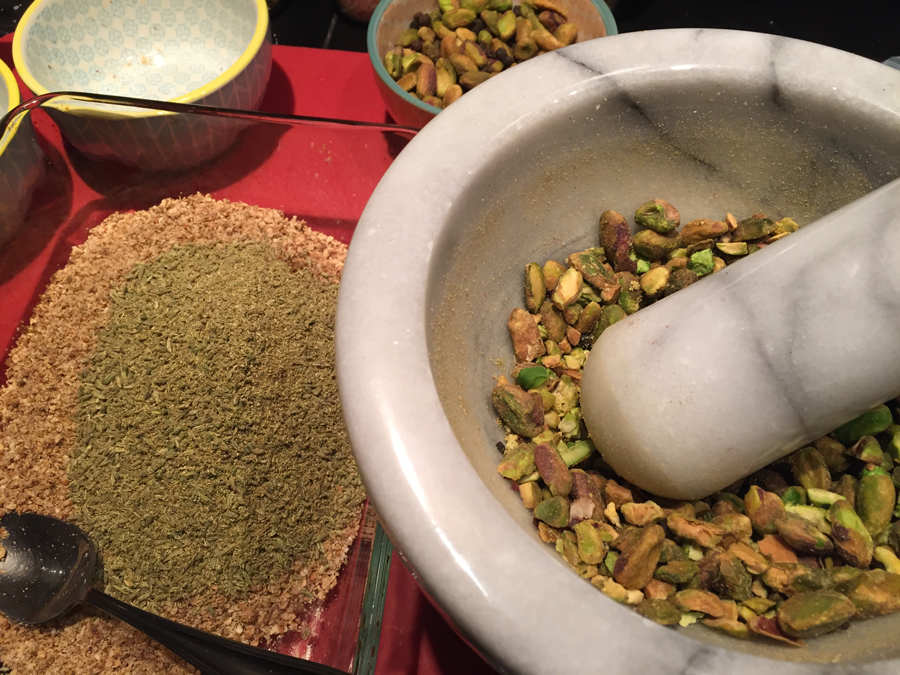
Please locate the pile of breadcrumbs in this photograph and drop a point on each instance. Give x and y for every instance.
(37, 430)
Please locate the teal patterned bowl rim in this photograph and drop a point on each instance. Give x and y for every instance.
(372, 35)
(13, 99)
(29, 17)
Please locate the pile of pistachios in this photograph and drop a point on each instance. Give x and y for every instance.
(793, 551)
(466, 42)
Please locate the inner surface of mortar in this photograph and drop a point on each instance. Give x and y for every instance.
(708, 141)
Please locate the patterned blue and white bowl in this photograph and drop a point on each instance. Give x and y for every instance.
(21, 159)
(209, 52)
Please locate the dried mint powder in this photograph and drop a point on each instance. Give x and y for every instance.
(210, 447)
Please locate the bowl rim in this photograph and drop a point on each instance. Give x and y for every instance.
(536, 620)
(606, 16)
(256, 41)
(15, 98)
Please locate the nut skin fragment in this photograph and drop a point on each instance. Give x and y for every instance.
(807, 615)
(769, 628)
(518, 410)
(699, 230)
(616, 240)
(553, 469)
(636, 563)
(525, 336)
(763, 508)
(852, 540)
(696, 531)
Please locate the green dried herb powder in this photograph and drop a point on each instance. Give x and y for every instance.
(210, 448)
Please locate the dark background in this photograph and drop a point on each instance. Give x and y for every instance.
(870, 28)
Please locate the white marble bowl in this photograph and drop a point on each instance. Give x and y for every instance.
(209, 52)
(21, 159)
(711, 121)
(392, 17)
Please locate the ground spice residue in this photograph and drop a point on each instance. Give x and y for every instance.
(40, 405)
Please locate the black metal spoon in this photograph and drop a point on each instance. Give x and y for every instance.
(47, 569)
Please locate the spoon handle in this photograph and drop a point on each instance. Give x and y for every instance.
(211, 654)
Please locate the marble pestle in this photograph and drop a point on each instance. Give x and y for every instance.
(694, 392)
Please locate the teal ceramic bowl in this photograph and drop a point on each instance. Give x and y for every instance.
(21, 159)
(593, 18)
(209, 52)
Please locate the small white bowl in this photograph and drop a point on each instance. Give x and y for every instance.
(209, 52)
(21, 160)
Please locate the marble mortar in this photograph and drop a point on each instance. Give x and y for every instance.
(519, 170)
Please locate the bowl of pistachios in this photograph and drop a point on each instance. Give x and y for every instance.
(463, 43)
(592, 182)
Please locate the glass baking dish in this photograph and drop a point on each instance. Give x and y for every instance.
(318, 170)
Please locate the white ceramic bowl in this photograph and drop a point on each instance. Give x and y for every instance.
(209, 52)
(518, 171)
(21, 160)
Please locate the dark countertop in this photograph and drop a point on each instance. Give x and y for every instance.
(867, 27)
